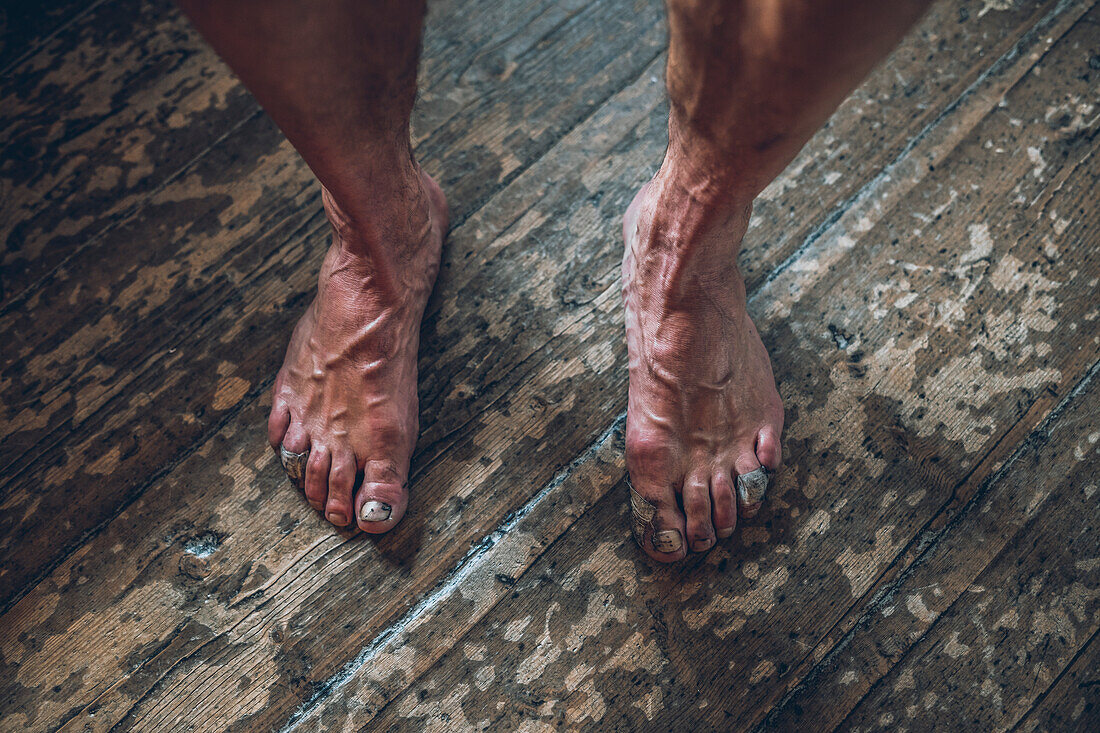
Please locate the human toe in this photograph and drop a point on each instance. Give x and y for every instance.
(383, 497)
(751, 483)
(723, 505)
(697, 508)
(341, 482)
(317, 473)
(657, 522)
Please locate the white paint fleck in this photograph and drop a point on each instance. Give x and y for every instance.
(916, 606)
(954, 648)
(515, 629)
(816, 524)
(1036, 157)
(981, 244)
(762, 671)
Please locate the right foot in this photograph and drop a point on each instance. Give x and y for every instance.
(346, 393)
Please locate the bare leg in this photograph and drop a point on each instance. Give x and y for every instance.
(749, 82)
(339, 78)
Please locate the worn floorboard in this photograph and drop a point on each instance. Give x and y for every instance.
(1073, 702)
(922, 274)
(119, 318)
(566, 638)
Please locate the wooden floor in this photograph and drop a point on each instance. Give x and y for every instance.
(925, 275)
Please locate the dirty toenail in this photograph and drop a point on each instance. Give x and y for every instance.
(701, 545)
(752, 486)
(667, 541)
(642, 512)
(295, 466)
(337, 518)
(375, 511)
(724, 533)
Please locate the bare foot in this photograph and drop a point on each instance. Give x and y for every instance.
(347, 390)
(703, 408)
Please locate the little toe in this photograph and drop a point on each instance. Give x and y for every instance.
(382, 499)
(292, 454)
(723, 505)
(748, 499)
(317, 471)
(277, 423)
(341, 482)
(657, 521)
(768, 450)
(700, 531)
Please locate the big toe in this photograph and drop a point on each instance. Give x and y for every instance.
(382, 499)
(658, 525)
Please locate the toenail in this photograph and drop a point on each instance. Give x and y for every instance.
(701, 545)
(667, 541)
(724, 533)
(752, 486)
(337, 518)
(295, 466)
(375, 511)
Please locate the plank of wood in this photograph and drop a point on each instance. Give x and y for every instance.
(991, 651)
(1073, 701)
(133, 322)
(598, 586)
(460, 501)
(946, 574)
(148, 312)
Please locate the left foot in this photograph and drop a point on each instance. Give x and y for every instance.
(703, 408)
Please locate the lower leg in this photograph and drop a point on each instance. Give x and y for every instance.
(749, 82)
(339, 78)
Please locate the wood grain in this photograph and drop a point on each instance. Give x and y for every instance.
(998, 641)
(217, 578)
(1073, 702)
(826, 541)
(133, 322)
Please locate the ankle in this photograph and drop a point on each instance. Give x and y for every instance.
(383, 215)
(685, 238)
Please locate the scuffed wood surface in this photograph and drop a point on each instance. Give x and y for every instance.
(1073, 703)
(129, 319)
(180, 565)
(903, 401)
(998, 641)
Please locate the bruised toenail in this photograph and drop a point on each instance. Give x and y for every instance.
(294, 464)
(752, 486)
(337, 517)
(375, 511)
(667, 541)
(724, 533)
(701, 545)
